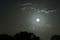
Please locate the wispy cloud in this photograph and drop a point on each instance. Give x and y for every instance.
(47, 11)
(35, 10)
(23, 8)
(27, 4)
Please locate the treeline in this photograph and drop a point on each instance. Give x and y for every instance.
(25, 36)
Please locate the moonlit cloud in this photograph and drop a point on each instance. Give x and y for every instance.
(25, 6)
(37, 10)
(47, 11)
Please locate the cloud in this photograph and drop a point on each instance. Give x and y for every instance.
(24, 8)
(32, 7)
(27, 4)
(36, 10)
(46, 11)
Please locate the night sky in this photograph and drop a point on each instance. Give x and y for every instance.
(21, 15)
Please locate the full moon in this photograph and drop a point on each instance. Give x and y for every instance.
(37, 20)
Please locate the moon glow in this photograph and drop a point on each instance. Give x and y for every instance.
(37, 20)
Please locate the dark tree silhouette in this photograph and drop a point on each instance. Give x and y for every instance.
(19, 36)
(5, 37)
(55, 37)
(25, 36)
